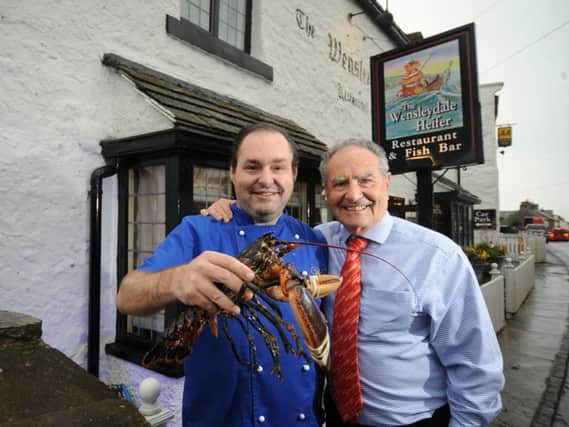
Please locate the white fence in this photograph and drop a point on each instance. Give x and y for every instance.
(493, 292)
(508, 289)
(519, 281)
(516, 245)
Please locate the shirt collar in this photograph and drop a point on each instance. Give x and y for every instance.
(378, 233)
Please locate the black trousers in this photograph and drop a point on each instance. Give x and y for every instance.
(440, 418)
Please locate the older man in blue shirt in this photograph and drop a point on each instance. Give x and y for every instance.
(218, 390)
(425, 338)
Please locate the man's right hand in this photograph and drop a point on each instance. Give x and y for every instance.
(194, 283)
(142, 293)
(220, 210)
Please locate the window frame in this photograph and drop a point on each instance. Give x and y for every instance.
(129, 346)
(209, 41)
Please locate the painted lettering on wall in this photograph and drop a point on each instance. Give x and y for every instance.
(351, 64)
(303, 22)
(347, 96)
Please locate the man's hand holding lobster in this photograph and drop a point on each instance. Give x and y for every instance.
(194, 283)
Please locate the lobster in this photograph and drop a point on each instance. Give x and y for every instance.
(274, 280)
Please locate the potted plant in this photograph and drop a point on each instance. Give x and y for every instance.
(482, 255)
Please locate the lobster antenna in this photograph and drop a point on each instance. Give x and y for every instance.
(326, 245)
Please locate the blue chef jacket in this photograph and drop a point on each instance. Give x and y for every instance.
(219, 391)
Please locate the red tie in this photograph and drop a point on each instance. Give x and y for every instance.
(345, 372)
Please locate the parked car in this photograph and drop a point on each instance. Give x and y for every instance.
(557, 234)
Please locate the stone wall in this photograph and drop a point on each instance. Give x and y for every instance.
(40, 386)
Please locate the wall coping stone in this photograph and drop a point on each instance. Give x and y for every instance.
(39, 385)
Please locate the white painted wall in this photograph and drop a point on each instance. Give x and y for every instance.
(483, 180)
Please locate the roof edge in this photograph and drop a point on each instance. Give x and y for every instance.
(384, 19)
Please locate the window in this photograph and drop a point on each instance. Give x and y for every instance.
(396, 206)
(220, 27)
(226, 20)
(143, 224)
(298, 202)
(210, 185)
(322, 213)
(155, 196)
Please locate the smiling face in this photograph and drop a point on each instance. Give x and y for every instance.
(263, 176)
(356, 188)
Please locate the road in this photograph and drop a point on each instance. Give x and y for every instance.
(535, 347)
(559, 250)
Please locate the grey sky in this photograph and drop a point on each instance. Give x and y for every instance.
(523, 44)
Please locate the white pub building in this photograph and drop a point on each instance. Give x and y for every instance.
(117, 120)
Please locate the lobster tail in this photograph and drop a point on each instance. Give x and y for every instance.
(178, 341)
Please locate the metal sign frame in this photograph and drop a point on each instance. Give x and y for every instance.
(425, 103)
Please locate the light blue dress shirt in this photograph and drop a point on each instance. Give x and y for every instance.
(425, 336)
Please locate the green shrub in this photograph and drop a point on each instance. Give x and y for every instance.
(484, 252)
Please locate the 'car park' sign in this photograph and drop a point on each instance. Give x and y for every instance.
(484, 219)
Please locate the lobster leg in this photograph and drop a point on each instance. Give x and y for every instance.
(269, 339)
(278, 322)
(260, 293)
(225, 327)
(251, 341)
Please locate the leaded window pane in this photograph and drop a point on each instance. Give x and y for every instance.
(197, 12)
(210, 184)
(146, 229)
(232, 18)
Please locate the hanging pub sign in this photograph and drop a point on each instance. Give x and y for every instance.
(504, 136)
(484, 219)
(425, 107)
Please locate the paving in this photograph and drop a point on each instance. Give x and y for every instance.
(535, 347)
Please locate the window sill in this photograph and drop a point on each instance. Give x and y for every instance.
(134, 354)
(193, 34)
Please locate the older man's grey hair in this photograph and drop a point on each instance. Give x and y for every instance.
(355, 142)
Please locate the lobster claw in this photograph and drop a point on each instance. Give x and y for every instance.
(302, 299)
(311, 323)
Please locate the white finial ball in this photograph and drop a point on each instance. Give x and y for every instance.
(149, 390)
